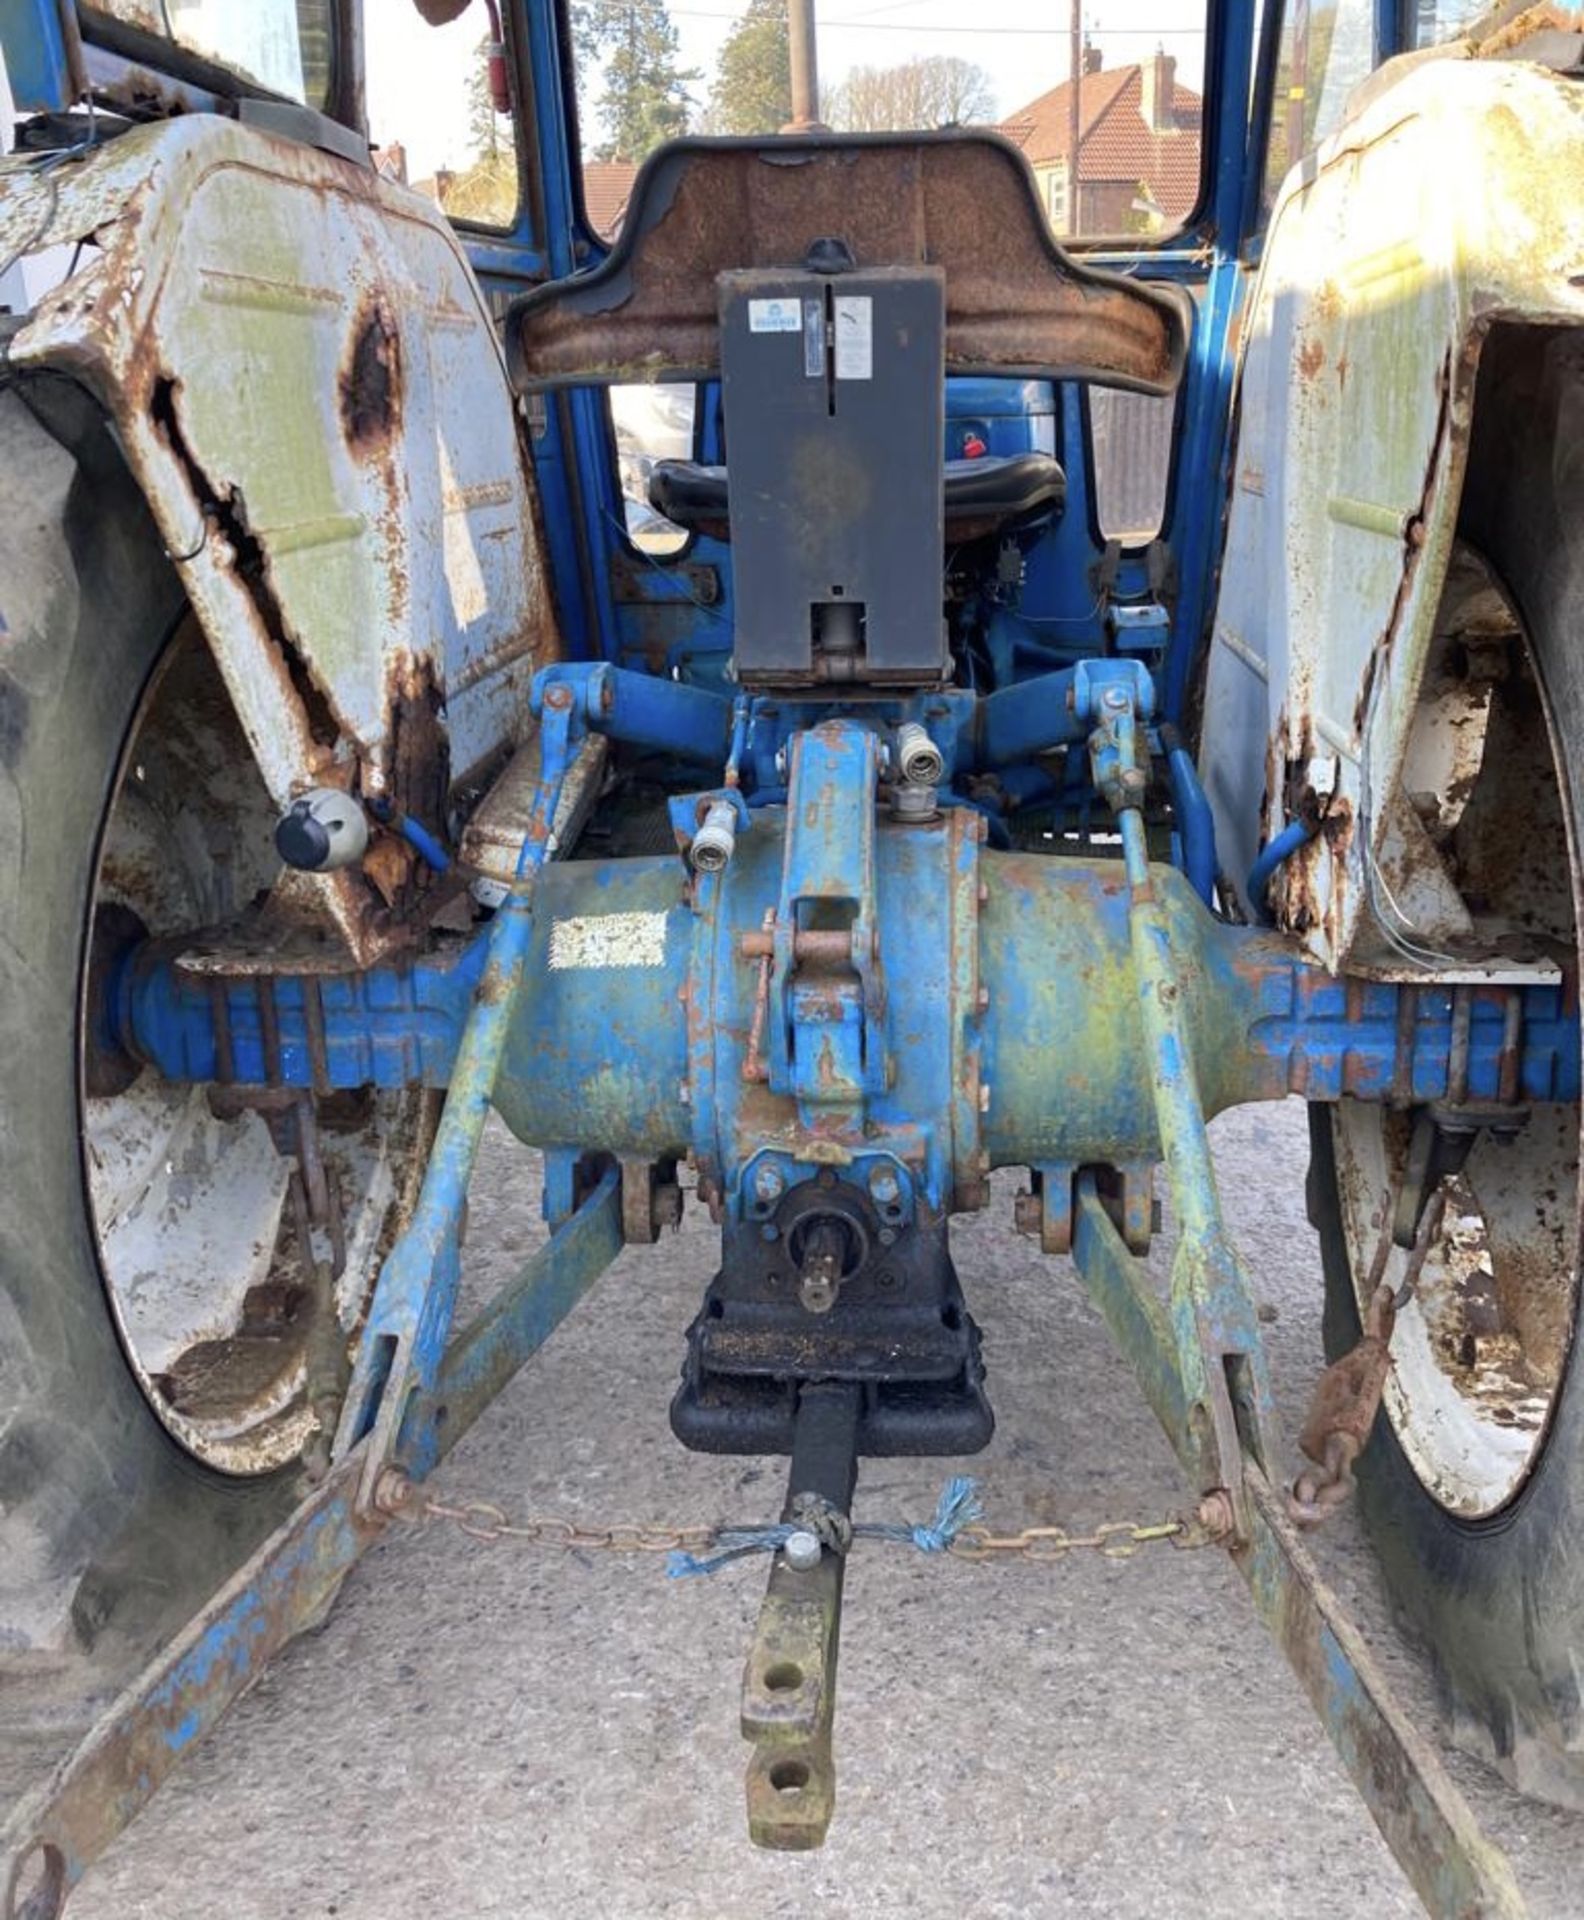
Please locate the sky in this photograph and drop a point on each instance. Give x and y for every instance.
(418, 75)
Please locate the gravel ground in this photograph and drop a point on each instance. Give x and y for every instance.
(489, 1730)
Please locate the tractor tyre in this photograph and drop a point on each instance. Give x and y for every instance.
(1472, 1485)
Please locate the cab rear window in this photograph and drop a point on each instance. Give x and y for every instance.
(647, 72)
(285, 47)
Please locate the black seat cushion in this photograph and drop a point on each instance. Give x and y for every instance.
(982, 496)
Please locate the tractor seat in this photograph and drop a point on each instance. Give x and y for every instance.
(983, 496)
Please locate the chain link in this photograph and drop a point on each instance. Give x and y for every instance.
(1114, 1539)
(483, 1520)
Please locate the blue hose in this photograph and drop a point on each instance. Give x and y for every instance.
(1195, 822)
(418, 837)
(1296, 834)
(429, 848)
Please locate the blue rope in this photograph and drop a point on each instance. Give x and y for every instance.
(958, 1507)
(743, 1541)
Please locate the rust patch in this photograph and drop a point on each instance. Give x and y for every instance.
(370, 385)
(1311, 358)
(1418, 520)
(388, 865)
(227, 514)
(1511, 34)
(1361, 706)
(419, 750)
(1337, 826)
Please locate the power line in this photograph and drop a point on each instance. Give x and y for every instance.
(908, 26)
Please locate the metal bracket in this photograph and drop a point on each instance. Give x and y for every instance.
(1200, 1362)
(409, 1321)
(789, 1683)
(1226, 1411)
(825, 1041)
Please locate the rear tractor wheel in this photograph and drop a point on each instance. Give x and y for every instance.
(160, 1246)
(1473, 1483)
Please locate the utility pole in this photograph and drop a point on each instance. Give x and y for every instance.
(1074, 118)
(805, 66)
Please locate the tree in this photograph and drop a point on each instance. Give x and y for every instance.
(483, 121)
(753, 80)
(937, 91)
(486, 189)
(646, 97)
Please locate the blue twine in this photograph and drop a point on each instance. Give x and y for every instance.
(958, 1507)
(743, 1541)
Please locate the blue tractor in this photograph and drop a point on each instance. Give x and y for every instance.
(1045, 695)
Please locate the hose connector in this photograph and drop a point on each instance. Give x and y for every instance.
(919, 761)
(712, 845)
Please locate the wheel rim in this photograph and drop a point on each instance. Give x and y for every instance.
(203, 1247)
(1484, 1337)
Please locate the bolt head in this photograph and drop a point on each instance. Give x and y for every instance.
(769, 1181)
(1216, 1514)
(883, 1185)
(802, 1551)
(394, 1492)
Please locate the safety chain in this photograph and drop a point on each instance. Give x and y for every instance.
(483, 1520)
(1114, 1540)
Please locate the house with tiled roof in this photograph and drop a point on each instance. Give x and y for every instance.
(1138, 147)
(606, 185)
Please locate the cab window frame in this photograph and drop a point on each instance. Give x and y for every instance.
(163, 57)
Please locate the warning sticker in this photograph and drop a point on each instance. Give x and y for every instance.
(854, 336)
(775, 316)
(608, 940)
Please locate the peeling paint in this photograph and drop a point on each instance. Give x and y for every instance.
(609, 940)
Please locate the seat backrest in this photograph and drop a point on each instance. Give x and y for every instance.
(961, 202)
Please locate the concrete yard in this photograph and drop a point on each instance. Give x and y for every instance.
(497, 1730)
